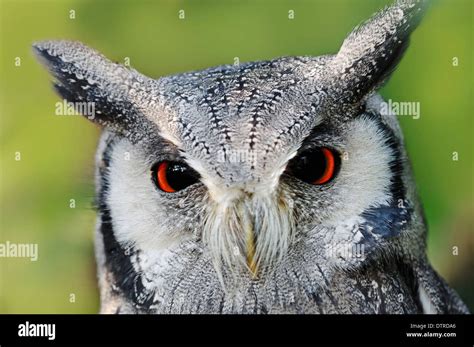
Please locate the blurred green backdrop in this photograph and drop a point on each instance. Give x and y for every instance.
(57, 151)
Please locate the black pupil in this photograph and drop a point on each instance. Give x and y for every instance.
(180, 176)
(309, 166)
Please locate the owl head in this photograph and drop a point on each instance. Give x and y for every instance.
(244, 172)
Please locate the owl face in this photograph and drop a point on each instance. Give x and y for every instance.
(224, 181)
(248, 178)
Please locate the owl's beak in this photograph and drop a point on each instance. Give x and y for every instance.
(250, 247)
(251, 261)
(247, 232)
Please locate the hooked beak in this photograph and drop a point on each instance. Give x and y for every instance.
(247, 231)
(251, 261)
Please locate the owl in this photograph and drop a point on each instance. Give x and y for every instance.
(275, 186)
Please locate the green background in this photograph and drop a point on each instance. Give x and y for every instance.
(57, 151)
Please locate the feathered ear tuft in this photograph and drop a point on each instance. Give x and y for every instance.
(372, 51)
(115, 93)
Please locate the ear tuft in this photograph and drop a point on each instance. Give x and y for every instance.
(372, 51)
(82, 75)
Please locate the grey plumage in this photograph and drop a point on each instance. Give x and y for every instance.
(239, 128)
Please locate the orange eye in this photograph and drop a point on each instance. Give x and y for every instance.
(171, 177)
(329, 167)
(317, 166)
(162, 179)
